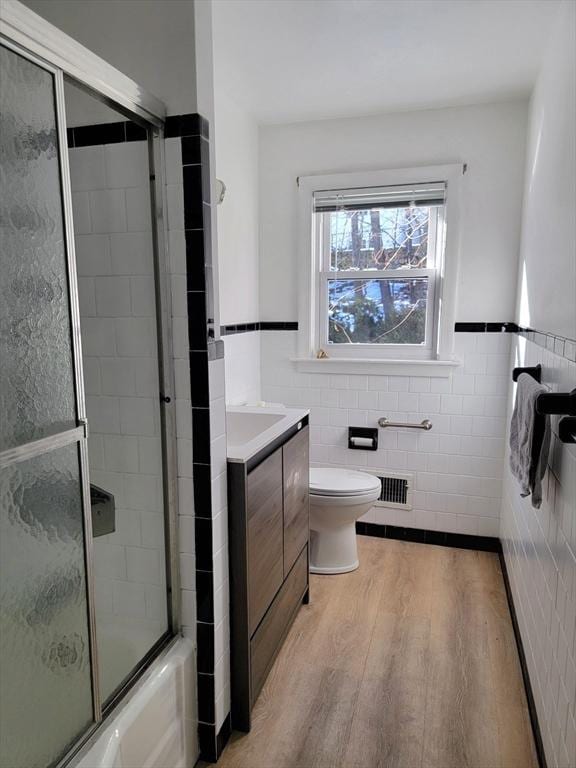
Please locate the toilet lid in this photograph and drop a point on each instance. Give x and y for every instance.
(325, 481)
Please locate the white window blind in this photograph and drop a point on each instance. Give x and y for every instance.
(432, 193)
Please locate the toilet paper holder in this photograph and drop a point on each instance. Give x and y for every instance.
(363, 438)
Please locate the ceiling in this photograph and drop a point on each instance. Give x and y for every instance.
(294, 60)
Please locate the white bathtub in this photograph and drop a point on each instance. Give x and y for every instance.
(157, 726)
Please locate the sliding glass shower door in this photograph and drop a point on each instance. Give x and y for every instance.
(46, 691)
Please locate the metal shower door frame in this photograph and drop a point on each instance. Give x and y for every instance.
(30, 36)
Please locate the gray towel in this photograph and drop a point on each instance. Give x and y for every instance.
(529, 439)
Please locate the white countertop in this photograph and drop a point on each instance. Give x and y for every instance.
(249, 429)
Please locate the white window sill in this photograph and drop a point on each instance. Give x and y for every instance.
(376, 367)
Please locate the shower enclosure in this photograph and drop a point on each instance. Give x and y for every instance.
(66, 655)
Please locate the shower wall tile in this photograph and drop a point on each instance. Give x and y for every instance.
(115, 269)
(540, 550)
(456, 468)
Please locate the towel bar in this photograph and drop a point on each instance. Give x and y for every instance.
(535, 372)
(384, 422)
(554, 403)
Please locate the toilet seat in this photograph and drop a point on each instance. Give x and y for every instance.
(327, 481)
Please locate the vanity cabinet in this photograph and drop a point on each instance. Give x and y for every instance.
(268, 513)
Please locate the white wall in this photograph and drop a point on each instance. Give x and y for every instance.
(547, 292)
(489, 138)
(151, 42)
(237, 165)
(540, 545)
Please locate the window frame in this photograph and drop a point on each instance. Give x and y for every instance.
(312, 280)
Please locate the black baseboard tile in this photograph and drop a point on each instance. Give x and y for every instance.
(206, 698)
(207, 742)
(421, 536)
(223, 735)
(538, 743)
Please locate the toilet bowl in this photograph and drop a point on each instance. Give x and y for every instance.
(338, 497)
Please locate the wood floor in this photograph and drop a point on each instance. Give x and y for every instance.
(408, 662)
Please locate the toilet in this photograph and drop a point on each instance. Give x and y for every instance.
(338, 497)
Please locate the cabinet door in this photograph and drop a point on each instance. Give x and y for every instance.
(265, 573)
(296, 490)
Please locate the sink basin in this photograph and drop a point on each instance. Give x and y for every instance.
(249, 429)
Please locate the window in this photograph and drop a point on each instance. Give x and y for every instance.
(379, 256)
(379, 267)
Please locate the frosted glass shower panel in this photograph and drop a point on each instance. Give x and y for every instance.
(46, 698)
(36, 373)
(45, 694)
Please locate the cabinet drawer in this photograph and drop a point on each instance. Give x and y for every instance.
(267, 641)
(296, 461)
(265, 534)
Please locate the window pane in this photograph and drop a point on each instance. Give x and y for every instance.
(386, 311)
(382, 238)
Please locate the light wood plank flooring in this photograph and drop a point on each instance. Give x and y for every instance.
(408, 662)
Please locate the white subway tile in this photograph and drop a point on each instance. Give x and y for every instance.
(143, 301)
(92, 254)
(138, 211)
(107, 210)
(98, 336)
(86, 296)
(103, 414)
(143, 565)
(131, 254)
(126, 165)
(86, 168)
(120, 453)
(419, 384)
(129, 599)
(112, 296)
(398, 384)
(135, 336)
(81, 213)
(137, 416)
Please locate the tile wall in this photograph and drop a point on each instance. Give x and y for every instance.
(540, 551)
(456, 467)
(117, 308)
(242, 367)
(201, 424)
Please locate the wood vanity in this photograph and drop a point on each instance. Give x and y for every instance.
(268, 512)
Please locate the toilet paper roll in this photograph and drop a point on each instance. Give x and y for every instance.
(362, 442)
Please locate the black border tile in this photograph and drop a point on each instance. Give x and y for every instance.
(135, 132)
(199, 386)
(182, 125)
(202, 490)
(195, 259)
(105, 133)
(192, 176)
(206, 698)
(204, 596)
(205, 645)
(229, 330)
(197, 331)
(203, 543)
(191, 150)
(201, 435)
